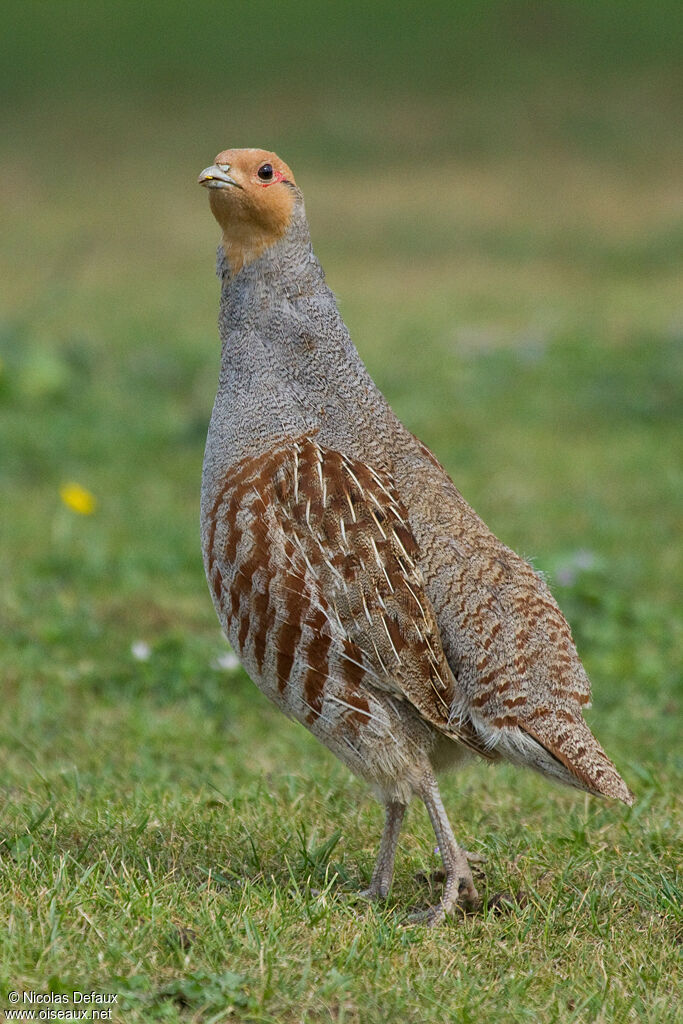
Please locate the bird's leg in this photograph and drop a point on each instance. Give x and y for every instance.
(384, 866)
(459, 884)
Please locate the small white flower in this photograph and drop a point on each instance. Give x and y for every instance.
(227, 661)
(141, 651)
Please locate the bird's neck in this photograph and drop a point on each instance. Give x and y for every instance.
(288, 364)
(279, 309)
(282, 271)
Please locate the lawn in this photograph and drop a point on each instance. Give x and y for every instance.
(511, 276)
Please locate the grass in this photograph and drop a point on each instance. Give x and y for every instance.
(508, 265)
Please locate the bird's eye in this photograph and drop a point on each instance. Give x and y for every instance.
(265, 172)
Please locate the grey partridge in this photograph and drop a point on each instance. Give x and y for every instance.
(360, 591)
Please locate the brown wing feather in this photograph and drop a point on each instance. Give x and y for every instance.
(346, 529)
(347, 520)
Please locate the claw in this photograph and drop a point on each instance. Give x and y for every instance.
(460, 895)
(374, 892)
(476, 858)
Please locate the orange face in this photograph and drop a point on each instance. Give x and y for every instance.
(252, 195)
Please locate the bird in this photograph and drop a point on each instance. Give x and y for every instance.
(359, 590)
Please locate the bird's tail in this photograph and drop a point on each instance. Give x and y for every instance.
(576, 748)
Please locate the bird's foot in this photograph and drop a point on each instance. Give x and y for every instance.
(460, 897)
(438, 875)
(375, 891)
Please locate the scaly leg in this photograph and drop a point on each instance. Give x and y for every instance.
(459, 883)
(384, 866)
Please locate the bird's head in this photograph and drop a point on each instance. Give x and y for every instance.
(252, 195)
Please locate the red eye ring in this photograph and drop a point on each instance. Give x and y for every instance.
(272, 178)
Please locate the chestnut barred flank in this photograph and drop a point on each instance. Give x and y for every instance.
(312, 565)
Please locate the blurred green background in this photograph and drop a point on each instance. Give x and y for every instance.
(494, 191)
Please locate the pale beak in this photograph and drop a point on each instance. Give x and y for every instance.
(217, 177)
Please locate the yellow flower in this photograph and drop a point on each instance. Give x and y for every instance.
(78, 499)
